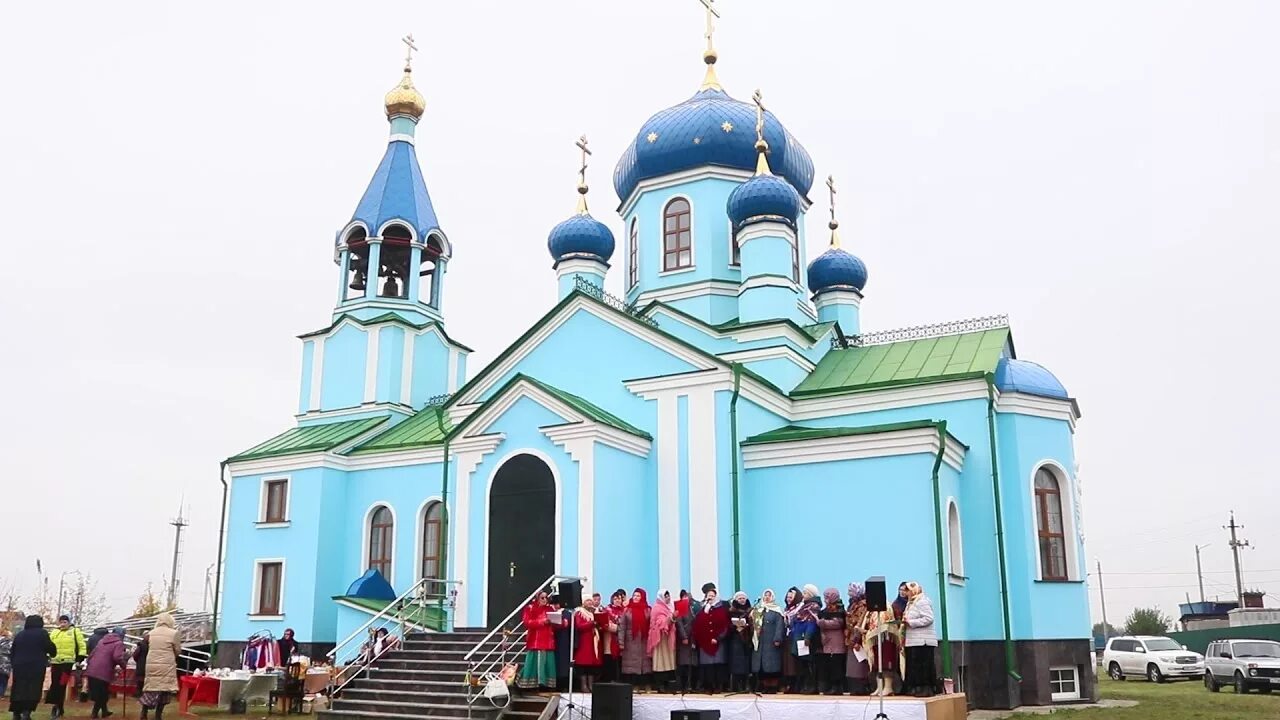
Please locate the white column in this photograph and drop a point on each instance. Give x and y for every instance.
(317, 373)
(371, 364)
(406, 369)
(668, 442)
(466, 463)
(704, 516)
(451, 381)
(583, 451)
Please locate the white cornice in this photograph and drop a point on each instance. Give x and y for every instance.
(1051, 408)
(888, 399)
(723, 288)
(785, 352)
(678, 178)
(766, 230)
(805, 307)
(564, 435)
(838, 297)
(653, 388)
(757, 281)
(580, 264)
(852, 447)
(639, 330)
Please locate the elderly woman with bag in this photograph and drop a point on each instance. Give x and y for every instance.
(107, 655)
(164, 646)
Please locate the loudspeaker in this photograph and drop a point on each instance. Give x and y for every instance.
(570, 593)
(688, 714)
(610, 701)
(876, 600)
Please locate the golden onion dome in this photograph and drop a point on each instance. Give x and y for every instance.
(404, 99)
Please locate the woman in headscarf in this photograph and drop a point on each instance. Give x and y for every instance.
(662, 641)
(710, 628)
(162, 665)
(882, 638)
(288, 647)
(611, 617)
(831, 621)
(856, 669)
(107, 655)
(740, 642)
(29, 655)
(790, 606)
(768, 631)
(686, 651)
(633, 639)
(539, 669)
(921, 679)
(586, 656)
(804, 634)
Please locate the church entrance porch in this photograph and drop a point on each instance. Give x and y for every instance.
(522, 539)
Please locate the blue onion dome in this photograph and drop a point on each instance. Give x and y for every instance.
(764, 197)
(581, 236)
(837, 269)
(708, 129)
(1024, 376)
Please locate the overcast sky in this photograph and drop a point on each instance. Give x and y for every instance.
(171, 176)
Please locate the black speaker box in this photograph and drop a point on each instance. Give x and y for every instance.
(610, 701)
(570, 593)
(688, 714)
(876, 600)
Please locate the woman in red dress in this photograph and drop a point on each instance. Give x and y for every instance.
(586, 655)
(610, 618)
(540, 646)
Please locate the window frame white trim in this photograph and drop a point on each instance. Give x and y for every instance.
(367, 527)
(1065, 697)
(420, 528)
(955, 571)
(262, 501)
(662, 237)
(255, 599)
(1070, 533)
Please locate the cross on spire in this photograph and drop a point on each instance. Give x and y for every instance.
(762, 146)
(712, 14)
(710, 81)
(833, 224)
(409, 50)
(582, 175)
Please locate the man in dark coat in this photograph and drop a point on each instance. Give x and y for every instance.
(30, 653)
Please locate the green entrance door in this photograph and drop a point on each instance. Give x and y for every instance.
(522, 533)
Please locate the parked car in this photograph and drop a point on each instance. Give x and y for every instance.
(1156, 658)
(1244, 664)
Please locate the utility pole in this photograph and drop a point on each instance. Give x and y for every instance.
(178, 524)
(1199, 572)
(1106, 629)
(1235, 552)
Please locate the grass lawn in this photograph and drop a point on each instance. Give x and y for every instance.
(1183, 700)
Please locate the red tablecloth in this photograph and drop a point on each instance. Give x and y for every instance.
(200, 690)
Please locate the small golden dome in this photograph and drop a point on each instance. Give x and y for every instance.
(404, 99)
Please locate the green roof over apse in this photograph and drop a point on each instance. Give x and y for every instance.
(906, 362)
(428, 427)
(310, 438)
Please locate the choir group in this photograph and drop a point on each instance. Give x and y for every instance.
(807, 643)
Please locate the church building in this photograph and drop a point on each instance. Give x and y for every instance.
(729, 420)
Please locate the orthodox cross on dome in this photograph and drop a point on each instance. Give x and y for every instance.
(710, 81)
(762, 147)
(582, 175)
(409, 49)
(833, 224)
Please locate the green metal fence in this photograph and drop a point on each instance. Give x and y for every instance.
(1198, 640)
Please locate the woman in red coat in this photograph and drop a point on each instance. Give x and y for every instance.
(586, 655)
(539, 646)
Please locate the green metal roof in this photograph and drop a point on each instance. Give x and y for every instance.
(428, 427)
(586, 407)
(788, 433)
(310, 438)
(421, 615)
(388, 317)
(906, 362)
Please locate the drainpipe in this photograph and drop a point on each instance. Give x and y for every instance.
(444, 513)
(942, 573)
(217, 577)
(1010, 660)
(733, 453)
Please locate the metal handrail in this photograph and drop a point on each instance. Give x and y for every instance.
(520, 608)
(333, 654)
(189, 654)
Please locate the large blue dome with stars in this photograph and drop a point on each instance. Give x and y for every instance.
(709, 128)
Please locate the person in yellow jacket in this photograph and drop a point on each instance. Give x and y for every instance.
(72, 648)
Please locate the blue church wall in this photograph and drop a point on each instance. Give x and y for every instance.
(405, 490)
(713, 309)
(780, 371)
(520, 425)
(347, 621)
(330, 578)
(760, 303)
(430, 368)
(343, 372)
(626, 501)
(682, 432)
(1060, 608)
(304, 392)
(391, 340)
(950, 484)
(613, 354)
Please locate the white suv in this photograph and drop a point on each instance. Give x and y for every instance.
(1244, 664)
(1156, 658)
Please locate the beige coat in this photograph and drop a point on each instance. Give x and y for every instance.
(164, 644)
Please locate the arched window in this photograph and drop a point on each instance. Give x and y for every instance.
(432, 526)
(954, 541)
(381, 540)
(677, 235)
(357, 263)
(633, 254)
(394, 261)
(1049, 525)
(430, 271)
